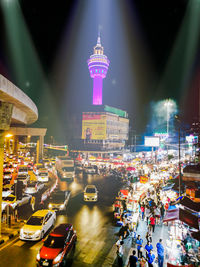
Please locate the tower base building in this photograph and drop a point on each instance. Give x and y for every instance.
(104, 128)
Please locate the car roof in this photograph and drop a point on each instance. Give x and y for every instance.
(41, 213)
(61, 230)
(90, 186)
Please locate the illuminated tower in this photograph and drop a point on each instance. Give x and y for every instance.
(98, 65)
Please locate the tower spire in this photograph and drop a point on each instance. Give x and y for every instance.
(99, 38)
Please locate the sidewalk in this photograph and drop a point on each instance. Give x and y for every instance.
(161, 231)
(8, 233)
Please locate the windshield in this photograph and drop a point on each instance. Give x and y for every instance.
(23, 169)
(90, 190)
(35, 220)
(7, 173)
(22, 177)
(68, 169)
(58, 197)
(54, 242)
(8, 198)
(43, 174)
(31, 185)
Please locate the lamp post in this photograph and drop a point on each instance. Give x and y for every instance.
(179, 152)
(167, 105)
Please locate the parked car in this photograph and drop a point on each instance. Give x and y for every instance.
(57, 246)
(90, 193)
(37, 225)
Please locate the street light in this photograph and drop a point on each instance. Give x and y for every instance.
(179, 151)
(168, 104)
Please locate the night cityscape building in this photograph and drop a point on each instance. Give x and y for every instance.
(103, 127)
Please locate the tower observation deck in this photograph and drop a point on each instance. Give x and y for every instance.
(98, 64)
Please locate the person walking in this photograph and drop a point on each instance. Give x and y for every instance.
(151, 258)
(160, 252)
(133, 260)
(120, 253)
(147, 213)
(118, 241)
(139, 242)
(142, 211)
(152, 223)
(148, 247)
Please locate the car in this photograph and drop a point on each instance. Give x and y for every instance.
(89, 170)
(22, 169)
(59, 200)
(33, 187)
(90, 193)
(37, 225)
(36, 168)
(43, 175)
(7, 175)
(23, 177)
(57, 246)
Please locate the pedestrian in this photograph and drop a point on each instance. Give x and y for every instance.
(118, 241)
(33, 203)
(139, 242)
(152, 223)
(151, 258)
(143, 262)
(142, 211)
(160, 252)
(148, 247)
(148, 236)
(133, 260)
(133, 237)
(147, 213)
(120, 253)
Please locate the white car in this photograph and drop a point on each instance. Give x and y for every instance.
(90, 170)
(33, 187)
(43, 175)
(90, 193)
(37, 225)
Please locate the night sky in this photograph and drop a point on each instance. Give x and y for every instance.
(139, 38)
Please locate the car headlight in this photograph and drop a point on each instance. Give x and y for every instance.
(38, 256)
(50, 206)
(62, 206)
(38, 232)
(21, 231)
(57, 259)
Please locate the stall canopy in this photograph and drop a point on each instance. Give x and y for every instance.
(187, 202)
(183, 216)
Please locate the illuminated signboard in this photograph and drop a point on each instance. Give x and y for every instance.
(93, 126)
(151, 141)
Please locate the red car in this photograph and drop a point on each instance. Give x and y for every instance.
(57, 246)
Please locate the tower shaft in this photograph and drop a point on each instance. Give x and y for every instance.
(97, 90)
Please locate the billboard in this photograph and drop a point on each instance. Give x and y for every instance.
(94, 126)
(151, 141)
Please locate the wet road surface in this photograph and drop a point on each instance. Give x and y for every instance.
(92, 221)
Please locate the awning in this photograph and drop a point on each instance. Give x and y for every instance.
(187, 202)
(182, 215)
(196, 235)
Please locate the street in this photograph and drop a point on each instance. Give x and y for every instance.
(92, 221)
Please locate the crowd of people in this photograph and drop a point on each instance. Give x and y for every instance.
(152, 211)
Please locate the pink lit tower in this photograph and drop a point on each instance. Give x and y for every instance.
(98, 65)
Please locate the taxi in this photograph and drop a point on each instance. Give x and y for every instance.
(37, 225)
(90, 193)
